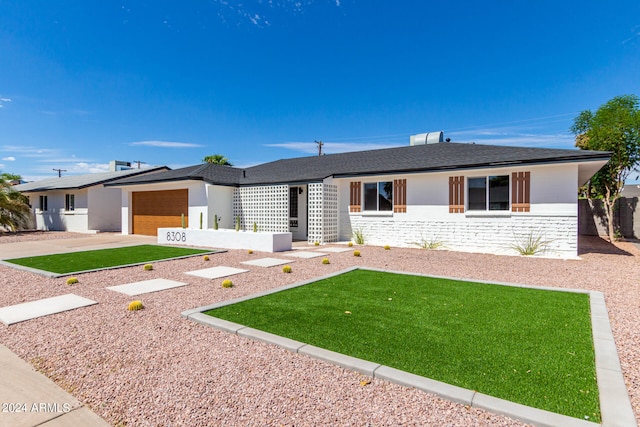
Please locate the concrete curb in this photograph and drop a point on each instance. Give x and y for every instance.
(615, 405)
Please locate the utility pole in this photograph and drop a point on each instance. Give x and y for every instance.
(59, 171)
(138, 162)
(320, 144)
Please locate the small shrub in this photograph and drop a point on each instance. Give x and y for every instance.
(227, 283)
(350, 244)
(387, 247)
(428, 243)
(530, 245)
(148, 267)
(250, 251)
(326, 261)
(356, 253)
(316, 243)
(358, 236)
(255, 227)
(135, 305)
(286, 269)
(206, 257)
(72, 281)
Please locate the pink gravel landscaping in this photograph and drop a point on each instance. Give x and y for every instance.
(153, 367)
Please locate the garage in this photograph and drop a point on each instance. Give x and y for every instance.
(155, 209)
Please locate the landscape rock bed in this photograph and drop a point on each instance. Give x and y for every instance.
(153, 367)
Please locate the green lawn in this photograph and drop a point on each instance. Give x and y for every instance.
(528, 346)
(104, 258)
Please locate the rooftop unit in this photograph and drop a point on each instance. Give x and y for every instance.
(426, 138)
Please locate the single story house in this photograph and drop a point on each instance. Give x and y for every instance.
(79, 203)
(467, 197)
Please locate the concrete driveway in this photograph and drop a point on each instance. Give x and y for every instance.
(58, 246)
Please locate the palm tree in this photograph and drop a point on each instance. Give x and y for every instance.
(15, 212)
(217, 159)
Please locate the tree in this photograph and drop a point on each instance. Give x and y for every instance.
(217, 159)
(614, 127)
(15, 212)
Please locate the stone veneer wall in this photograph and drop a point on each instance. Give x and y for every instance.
(474, 234)
(267, 206)
(323, 213)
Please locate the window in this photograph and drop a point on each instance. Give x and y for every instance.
(293, 207)
(378, 196)
(293, 202)
(489, 193)
(69, 202)
(43, 203)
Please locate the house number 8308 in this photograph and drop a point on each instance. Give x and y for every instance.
(176, 236)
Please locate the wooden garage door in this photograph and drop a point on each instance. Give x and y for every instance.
(154, 209)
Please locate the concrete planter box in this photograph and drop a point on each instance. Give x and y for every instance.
(226, 239)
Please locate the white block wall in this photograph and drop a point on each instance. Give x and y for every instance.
(267, 206)
(323, 213)
(490, 235)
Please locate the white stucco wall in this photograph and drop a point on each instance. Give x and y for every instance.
(104, 208)
(553, 214)
(220, 203)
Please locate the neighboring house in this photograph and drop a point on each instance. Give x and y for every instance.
(79, 203)
(467, 196)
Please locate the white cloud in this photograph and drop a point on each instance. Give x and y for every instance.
(29, 151)
(166, 144)
(9, 159)
(4, 101)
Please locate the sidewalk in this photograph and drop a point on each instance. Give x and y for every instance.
(30, 399)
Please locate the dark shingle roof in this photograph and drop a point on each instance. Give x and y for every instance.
(211, 173)
(75, 182)
(408, 159)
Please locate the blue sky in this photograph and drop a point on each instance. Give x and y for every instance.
(167, 83)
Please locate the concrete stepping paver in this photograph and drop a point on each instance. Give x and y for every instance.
(216, 272)
(146, 286)
(267, 262)
(335, 250)
(305, 254)
(43, 307)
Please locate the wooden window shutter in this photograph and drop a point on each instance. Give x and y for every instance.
(520, 191)
(456, 194)
(354, 197)
(400, 195)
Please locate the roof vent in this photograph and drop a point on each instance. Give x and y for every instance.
(426, 138)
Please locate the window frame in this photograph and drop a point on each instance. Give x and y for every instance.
(487, 194)
(69, 202)
(377, 209)
(43, 203)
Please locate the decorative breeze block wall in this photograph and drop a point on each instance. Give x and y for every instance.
(323, 213)
(267, 206)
